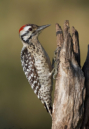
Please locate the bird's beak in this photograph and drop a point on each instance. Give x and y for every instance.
(39, 28)
(42, 27)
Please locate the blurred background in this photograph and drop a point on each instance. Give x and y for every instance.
(19, 106)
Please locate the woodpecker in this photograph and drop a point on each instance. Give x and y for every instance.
(36, 63)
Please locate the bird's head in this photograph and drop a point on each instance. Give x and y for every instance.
(28, 31)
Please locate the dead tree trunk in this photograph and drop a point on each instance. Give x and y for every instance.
(69, 96)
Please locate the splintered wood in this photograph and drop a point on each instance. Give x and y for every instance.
(69, 96)
(76, 48)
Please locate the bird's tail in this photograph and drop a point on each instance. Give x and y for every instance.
(48, 108)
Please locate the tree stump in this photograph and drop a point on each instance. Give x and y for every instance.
(70, 90)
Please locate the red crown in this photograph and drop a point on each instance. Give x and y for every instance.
(21, 28)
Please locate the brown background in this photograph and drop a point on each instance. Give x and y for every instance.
(19, 107)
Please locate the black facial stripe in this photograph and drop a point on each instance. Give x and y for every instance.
(25, 34)
(26, 41)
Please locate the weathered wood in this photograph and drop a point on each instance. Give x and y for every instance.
(60, 40)
(59, 35)
(85, 124)
(76, 48)
(69, 93)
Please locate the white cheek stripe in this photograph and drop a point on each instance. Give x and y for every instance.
(25, 37)
(22, 32)
(26, 28)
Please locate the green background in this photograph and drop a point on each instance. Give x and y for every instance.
(19, 106)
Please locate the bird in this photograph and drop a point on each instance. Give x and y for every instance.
(36, 63)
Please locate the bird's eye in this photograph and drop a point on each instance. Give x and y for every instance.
(30, 29)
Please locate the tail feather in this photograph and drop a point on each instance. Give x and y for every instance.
(48, 108)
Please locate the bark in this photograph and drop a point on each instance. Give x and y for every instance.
(76, 48)
(69, 96)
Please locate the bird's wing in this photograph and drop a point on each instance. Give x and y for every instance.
(29, 69)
